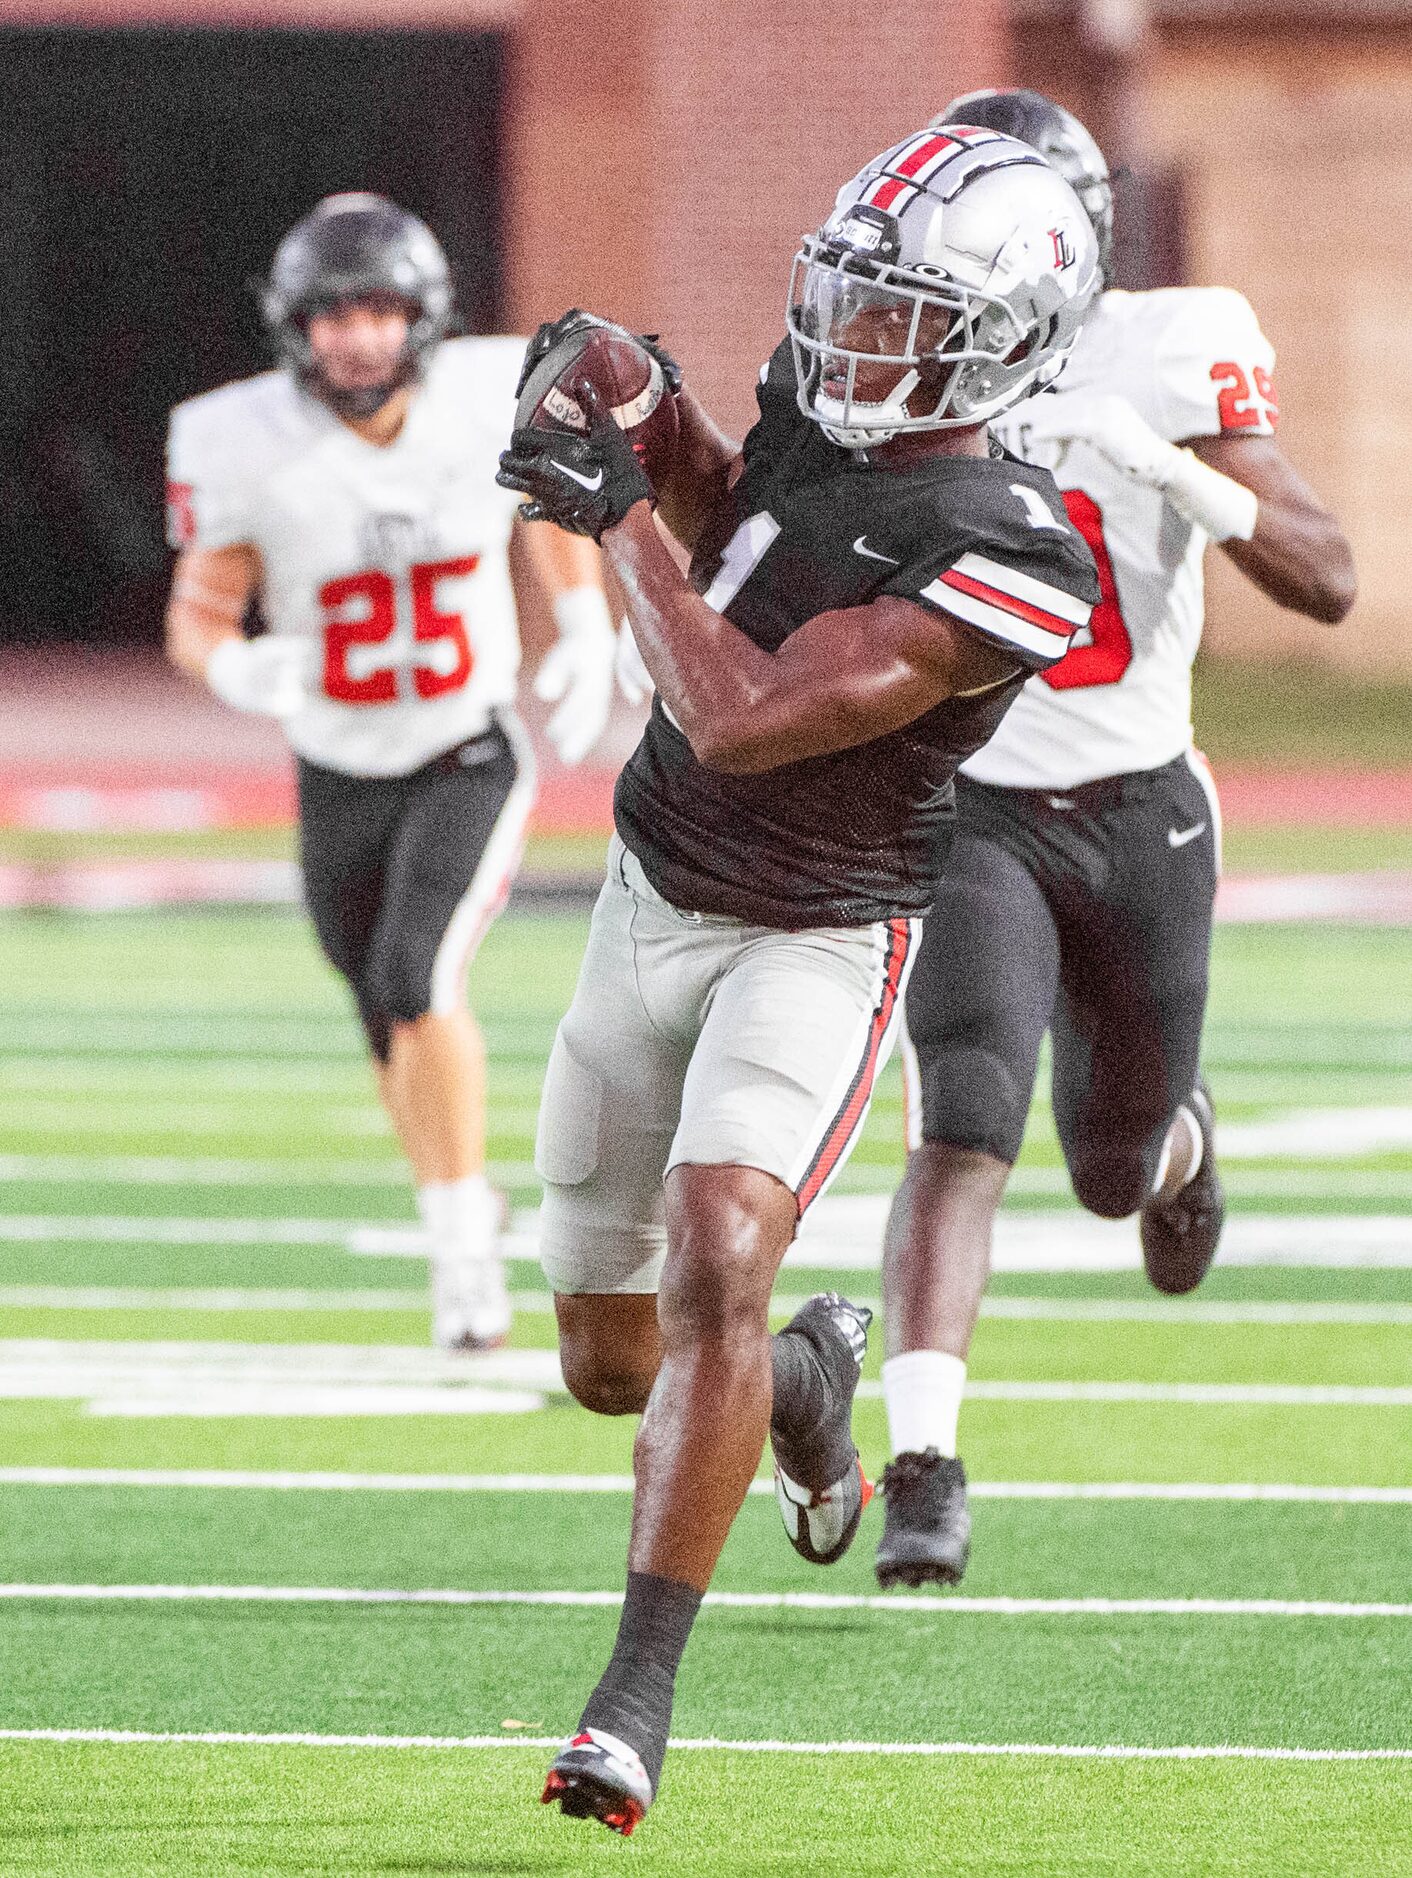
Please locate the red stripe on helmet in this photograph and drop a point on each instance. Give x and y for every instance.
(892, 186)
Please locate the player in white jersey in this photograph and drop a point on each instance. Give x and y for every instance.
(1079, 890)
(352, 494)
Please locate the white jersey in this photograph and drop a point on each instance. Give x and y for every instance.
(1194, 363)
(391, 562)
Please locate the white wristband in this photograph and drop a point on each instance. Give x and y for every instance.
(1226, 509)
(582, 610)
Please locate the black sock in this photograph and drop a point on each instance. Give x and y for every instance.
(811, 1376)
(633, 1699)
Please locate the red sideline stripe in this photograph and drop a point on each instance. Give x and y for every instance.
(840, 1130)
(1036, 616)
(887, 194)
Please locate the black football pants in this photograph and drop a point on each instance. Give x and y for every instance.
(402, 874)
(1086, 912)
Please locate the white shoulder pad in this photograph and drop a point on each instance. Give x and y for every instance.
(1213, 367)
(219, 447)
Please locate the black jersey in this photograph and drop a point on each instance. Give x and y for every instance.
(860, 834)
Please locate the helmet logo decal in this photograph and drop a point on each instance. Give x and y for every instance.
(1063, 248)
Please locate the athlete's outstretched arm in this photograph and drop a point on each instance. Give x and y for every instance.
(1298, 554)
(840, 680)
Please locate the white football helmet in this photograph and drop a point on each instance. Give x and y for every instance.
(959, 258)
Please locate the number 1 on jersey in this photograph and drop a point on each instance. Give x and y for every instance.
(743, 553)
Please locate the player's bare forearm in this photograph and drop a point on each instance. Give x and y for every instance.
(703, 460)
(842, 679)
(561, 561)
(1298, 554)
(211, 588)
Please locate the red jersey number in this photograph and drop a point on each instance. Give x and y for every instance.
(1237, 406)
(1109, 650)
(181, 515)
(361, 610)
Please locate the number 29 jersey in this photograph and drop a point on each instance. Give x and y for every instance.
(1194, 363)
(391, 562)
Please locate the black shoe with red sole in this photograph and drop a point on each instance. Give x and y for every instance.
(597, 1776)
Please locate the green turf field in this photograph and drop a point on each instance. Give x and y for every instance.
(229, 1460)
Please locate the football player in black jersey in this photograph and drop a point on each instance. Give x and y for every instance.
(870, 584)
(1078, 898)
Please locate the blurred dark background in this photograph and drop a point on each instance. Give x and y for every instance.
(144, 181)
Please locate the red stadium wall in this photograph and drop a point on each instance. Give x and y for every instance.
(665, 157)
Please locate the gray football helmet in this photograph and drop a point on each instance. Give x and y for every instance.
(1059, 138)
(958, 257)
(347, 247)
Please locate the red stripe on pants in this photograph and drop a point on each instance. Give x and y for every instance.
(860, 1090)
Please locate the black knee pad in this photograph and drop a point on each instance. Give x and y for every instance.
(972, 1098)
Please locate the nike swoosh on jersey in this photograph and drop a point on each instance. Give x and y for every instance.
(591, 483)
(870, 554)
(1179, 837)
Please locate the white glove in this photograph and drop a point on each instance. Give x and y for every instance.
(634, 679)
(577, 673)
(1110, 425)
(266, 676)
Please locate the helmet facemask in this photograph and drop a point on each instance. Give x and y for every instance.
(957, 352)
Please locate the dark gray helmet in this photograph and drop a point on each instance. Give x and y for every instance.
(348, 247)
(1060, 139)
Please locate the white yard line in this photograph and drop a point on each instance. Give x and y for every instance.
(894, 1604)
(1321, 1134)
(1198, 1394)
(160, 1170)
(146, 1377)
(844, 1234)
(1055, 1750)
(540, 1303)
(220, 1479)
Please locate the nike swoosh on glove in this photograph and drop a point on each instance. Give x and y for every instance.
(584, 484)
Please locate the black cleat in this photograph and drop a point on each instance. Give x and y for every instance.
(597, 1776)
(1180, 1234)
(927, 1536)
(821, 1520)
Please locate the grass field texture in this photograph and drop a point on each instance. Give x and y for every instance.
(282, 1591)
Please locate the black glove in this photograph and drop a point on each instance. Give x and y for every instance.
(549, 335)
(584, 484)
(671, 371)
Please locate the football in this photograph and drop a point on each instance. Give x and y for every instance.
(628, 380)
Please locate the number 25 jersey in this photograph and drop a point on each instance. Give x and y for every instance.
(1193, 362)
(389, 562)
